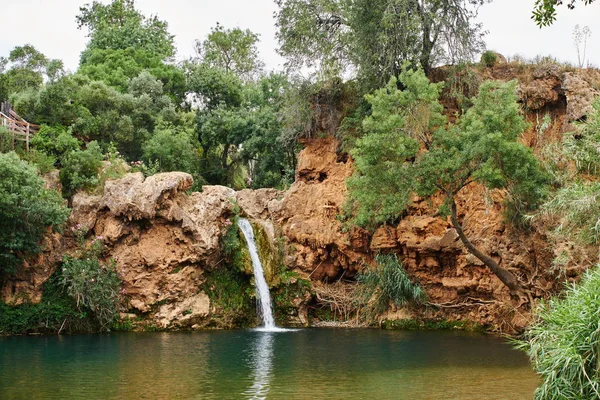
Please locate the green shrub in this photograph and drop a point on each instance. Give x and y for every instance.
(56, 310)
(390, 282)
(55, 141)
(81, 168)
(6, 140)
(27, 209)
(172, 151)
(43, 161)
(489, 58)
(564, 342)
(94, 285)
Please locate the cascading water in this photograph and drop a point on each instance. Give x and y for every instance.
(262, 289)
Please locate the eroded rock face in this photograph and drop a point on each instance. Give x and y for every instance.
(137, 198)
(544, 90)
(427, 244)
(580, 95)
(165, 240)
(308, 213)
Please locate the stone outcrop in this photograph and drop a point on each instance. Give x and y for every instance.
(580, 95)
(165, 241)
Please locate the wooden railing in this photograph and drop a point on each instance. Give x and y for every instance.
(18, 128)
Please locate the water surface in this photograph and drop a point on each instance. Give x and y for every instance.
(303, 364)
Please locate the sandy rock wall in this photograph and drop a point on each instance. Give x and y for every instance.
(164, 240)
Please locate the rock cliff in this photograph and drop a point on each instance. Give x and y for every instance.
(165, 241)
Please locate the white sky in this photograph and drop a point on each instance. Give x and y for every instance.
(53, 31)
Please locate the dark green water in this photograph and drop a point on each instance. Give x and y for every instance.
(304, 364)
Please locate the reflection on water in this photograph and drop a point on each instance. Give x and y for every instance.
(305, 364)
(261, 365)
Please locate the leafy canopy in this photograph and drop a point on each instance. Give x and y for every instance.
(375, 37)
(401, 121)
(120, 26)
(482, 147)
(233, 50)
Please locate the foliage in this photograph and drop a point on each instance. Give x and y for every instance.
(239, 125)
(389, 282)
(577, 205)
(311, 33)
(55, 311)
(544, 12)
(116, 67)
(376, 37)
(27, 210)
(489, 58)
(120, 26)
(55, 142)
(232, 246)
(5, 140)
(93, 284)
(95, 111)
(399, 123)
(27, 68)
(482, 147)
(42, 161)
(581, 146)
(232, 50)
(564, 342)
(172, 150)
(573, 208)
(80, 169)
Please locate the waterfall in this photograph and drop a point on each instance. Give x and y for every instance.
(262, 289)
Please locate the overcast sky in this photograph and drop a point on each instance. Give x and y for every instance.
(53, 31)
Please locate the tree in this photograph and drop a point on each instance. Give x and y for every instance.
(27, 210)
(233, 50)
(481, 148)
(399, 123)
(377, 37)
(117, 67)
(26, 70)
(544, 11)
(312, 33)
(119, 26)
(96, 111)
(172, 150)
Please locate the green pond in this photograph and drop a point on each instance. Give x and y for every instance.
(301, 364)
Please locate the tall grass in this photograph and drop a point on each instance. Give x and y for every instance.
(389, 282)
(564, 342)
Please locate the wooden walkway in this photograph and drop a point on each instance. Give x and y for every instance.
(18, 128)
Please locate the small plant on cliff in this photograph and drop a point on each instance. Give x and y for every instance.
(389, 282)
(481, 148)
(93, 284)
(81, 168)
(27, 210)
(564, 342)
(489, 58)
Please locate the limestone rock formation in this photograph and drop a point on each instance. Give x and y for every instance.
(580, 95)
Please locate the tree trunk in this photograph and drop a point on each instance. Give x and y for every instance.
(507, 277)
(224, 156)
